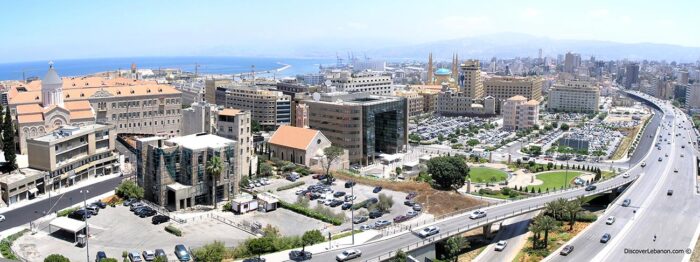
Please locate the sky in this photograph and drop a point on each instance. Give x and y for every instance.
(43, 30)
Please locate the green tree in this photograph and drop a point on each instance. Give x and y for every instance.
(56, 258)
(454, 246)
(8, 143)
(546, 224)
(210, 252)
(158, 259)
(332, 153)
(245, 181)
(311, 237)
(564, 127)
(214, 168)
(518, 162)
(265, 169)
(573, 207)
(385, 202)
(448, 171)
(550, 165)
(259, 246)
(536, 230)
(255, 126)
(399, 170)
(400, 256)
(129, 189)
(472, 142)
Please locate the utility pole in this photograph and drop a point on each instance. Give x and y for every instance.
(352, 214)
(87, 228)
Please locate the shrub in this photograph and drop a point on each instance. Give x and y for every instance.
(317, 213)
(485, 191)
(56, 258)
(173, 230)
(290, 186)
(227, 206)
(66, 211)
(129, 189)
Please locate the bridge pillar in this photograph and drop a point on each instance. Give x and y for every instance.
(487, 231)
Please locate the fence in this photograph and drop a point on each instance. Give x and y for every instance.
(250, 228)
(163, 211)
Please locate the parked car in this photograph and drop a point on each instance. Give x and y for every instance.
(349, 198)
(298, 255)
(409, 203)
(429, 231)
(94, 210)
(605, 238)
(501, 245)
(412, 214)
(375, 214)
(348, 254)
(100, 204)
(147, 213)
(610, 220)
(128, 202)
(335, 203)
(626, 202)
(149, 255)
(381, 223)
(182, 253)
(566, 250)
(80, 214)
(417, 207)
(365, 227)
(377, 189)
(360, 219)
(477, 214)
(346, 206)
(158, 219)
(669, 192)
(625, 175)
(400, 218)
(135, 257)
(411, 195)
(339, 194)
(161, 253)
(100, 256)
(350, 184)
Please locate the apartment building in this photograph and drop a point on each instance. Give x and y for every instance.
(502, 88)
(268, 107)
(374, 83)
(520, 113)
(573, 96)
(131, 106)
(415, 102)
(173, 171)
(470, 81)
(70, 154)
(366, 125)
(450, 103)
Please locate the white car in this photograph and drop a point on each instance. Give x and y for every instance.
(625, 175)
(610, 220)
(477, 214)
(365, 227)
(2, 218)
(149, 255)
(348, 254)
(429, 231)
(500, 245)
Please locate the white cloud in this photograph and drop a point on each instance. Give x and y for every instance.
(599, 12)
(626, 19)
(530, 12)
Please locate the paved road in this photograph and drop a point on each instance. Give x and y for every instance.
(673, 219)
(23, 215)
(514, 231)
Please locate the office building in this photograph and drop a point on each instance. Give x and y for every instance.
(269, 108)
(631, 75)
(303, 146)
(692, 96)
(502, 88)
(369, 65)
(131, 106)
(313, 79)
(70, 154)
(366, 125)
(519, 113)
(571, 62)
(683, 77)
(470, 82)
(573, 96)
(374, 83)
(450, 103)
(173, 171)
(22, 184)
(415, 102)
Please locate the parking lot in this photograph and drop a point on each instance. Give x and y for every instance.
(116, 229)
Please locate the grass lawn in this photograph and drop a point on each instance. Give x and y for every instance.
(554, 180)
(484, 174)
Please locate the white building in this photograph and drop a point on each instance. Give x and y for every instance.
(574, 96)
(363, 82)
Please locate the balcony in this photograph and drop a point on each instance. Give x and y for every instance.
(64, 150)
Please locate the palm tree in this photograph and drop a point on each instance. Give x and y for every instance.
(536, 229)
(214, 168)
(573, 207)
(556, 208)
(546, 223)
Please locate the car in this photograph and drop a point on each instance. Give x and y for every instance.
(605, 238)
(477, 214)
(94, 210)
(381, 223)
(135, 205)
(129, 201)
(429, 231)
(349, 198)
(335, 203)
(591, 188)
(409, 203)
(501, 245)
(80, 214)
(158, 219)
(338, 194)
(566, 250)
(659, 159)
(100, 256)
(350, 184)
(365, 227)
(348, 255)
(412, 214)
(346, 206)
(135, 257)
(298, 255)
(182, 253)
(411, 195)
(681, 155)
(377, 189)
(149, 255)
(669, 192)
(417, 207)
(375, 214)
(100, 204)
(626, 175)
(2, 218)
(360, 219)
(254, 259)
(626, 202)
(666, 155)
(161, 253)
(682, 146)
(644, 164)
(675, 170)
(610, 220)
(400, 218)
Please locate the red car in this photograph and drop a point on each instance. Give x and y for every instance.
(400, 219)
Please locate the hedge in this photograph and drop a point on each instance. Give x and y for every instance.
(581, 217)
(290, 186)
(6, 245)
(66, 211)
(310, 213)
(173, 230)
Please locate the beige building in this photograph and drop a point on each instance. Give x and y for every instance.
(70, 154)
(415, 102)
(519, 113)
(573, 96)
(470, 81)
(268, 107)
(303, 146)
(692, 96)
(21, 184)
(301, 116)
(131, 106)
(502, 88)
(375, 83)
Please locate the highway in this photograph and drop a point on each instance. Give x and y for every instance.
(514, 232)
(672, 219)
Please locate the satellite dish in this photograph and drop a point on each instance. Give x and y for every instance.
(328, 83)
(317, 96)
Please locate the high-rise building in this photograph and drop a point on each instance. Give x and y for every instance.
(470, 81)
(519, 113)
(269, 108)
(366, 125)
(573, 96)
(301, 118)
(683, 77)
(692, 96)
(571, 62)
(415, 102)
(631, 74)
(502, 88)
(429, 77)
(364, 82)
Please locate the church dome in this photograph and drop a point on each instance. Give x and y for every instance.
(51, 77)
(442, 72)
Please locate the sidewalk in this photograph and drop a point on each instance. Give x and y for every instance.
(77, 186)
(336, 245)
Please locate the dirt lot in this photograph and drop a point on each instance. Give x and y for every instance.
(435, 202)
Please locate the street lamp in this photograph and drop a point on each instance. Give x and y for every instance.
(87, 228)
(352, 214)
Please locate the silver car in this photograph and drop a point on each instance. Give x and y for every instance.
(348, 255)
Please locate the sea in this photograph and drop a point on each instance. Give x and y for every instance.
(207, 65)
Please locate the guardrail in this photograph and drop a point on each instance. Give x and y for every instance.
(163, 211)
(489, 220)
